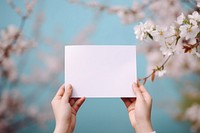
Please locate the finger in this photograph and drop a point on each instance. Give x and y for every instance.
(138, 83)
(131, 108)
(72, 101)
(137, 91)
(126, 101)
(78, 103)
(68, 93)
(60, 92)
(132, 99)
(145, 94)
(144, 91)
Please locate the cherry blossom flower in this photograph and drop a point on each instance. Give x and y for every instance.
(126, 17)
(181, 19)
(160, 34)
(142, 31)
(194, 18)
(167, 50)
(198, 3)
(189, 32)
(192, 114)
(161, 73)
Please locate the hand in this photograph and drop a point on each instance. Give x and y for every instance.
(139, 109)
(65, 109)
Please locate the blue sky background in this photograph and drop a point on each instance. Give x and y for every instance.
(99, 115)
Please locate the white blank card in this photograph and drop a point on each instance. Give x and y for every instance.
(100, 70)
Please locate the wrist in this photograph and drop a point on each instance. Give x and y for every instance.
(62, 129)
(145, 127)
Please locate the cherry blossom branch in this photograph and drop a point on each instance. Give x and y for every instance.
(152, 75)
(14, 43)
(14, 40)
(127, 15)
(29, 5)
(29, 8)
(185, 34)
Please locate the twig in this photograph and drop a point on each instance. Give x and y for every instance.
(103, 7)
(15, 39)
(154, 71)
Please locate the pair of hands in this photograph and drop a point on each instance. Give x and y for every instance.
(65, 109)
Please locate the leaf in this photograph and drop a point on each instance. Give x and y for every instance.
(145, 80)
(177, 40)
(187, 49)
(153, 75)
(150, 35)
(198, 35)
(186, 21)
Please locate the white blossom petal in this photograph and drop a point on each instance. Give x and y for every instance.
(161, 73)
(142, 30)
(180, 19)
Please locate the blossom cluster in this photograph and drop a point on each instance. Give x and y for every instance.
(12, 106)
(192, 114)
(182, 37)
(29, 5)
(179, 65)
(138, 10)
(12, 42)
(190, 110)
(127, 15)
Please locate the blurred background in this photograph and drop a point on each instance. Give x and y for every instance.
(32, 39)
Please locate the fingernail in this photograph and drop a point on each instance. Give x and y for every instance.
(138, 83)
(69, 86)
(135, 87)
(134, 84)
